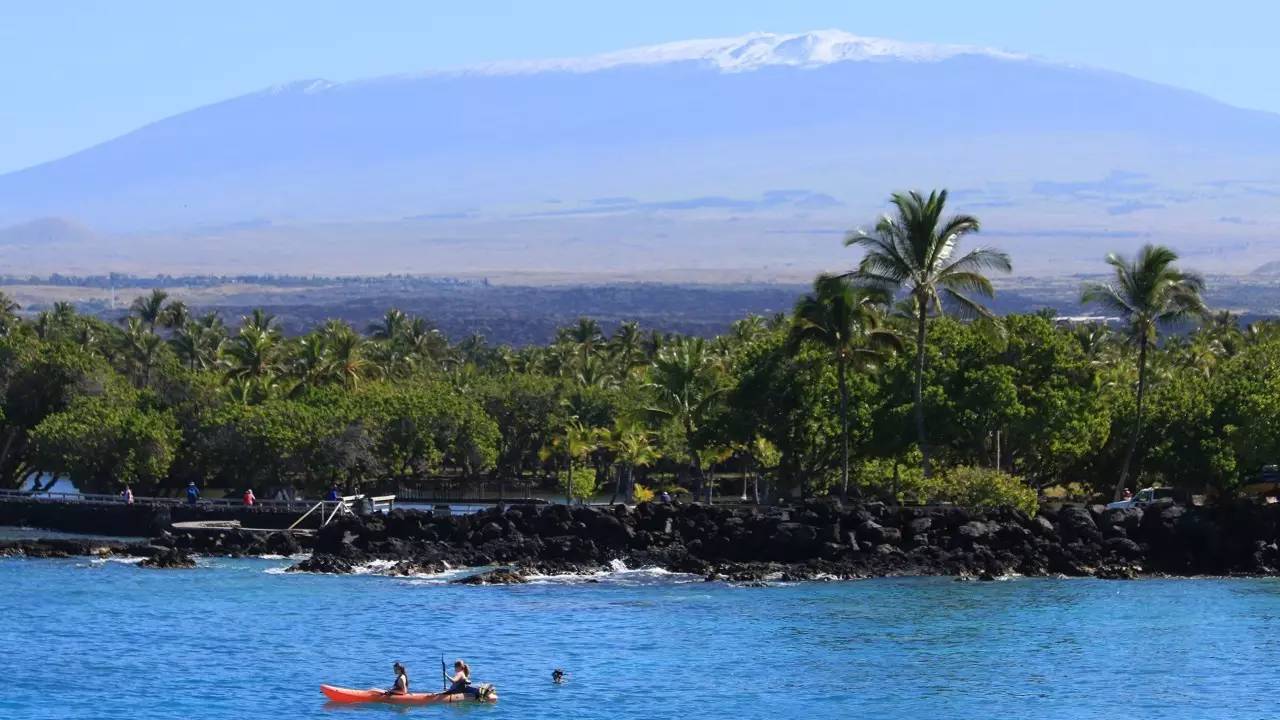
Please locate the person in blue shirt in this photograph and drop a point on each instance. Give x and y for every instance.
(193, 493)
(333, 494)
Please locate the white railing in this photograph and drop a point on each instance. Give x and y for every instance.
(381, 503)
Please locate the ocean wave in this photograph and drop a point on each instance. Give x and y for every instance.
(99, 562)
(617, 573)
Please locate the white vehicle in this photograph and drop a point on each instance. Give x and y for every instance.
(1145, 497)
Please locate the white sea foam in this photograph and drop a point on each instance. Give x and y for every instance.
(118, 560)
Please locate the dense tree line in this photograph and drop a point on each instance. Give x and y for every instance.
(892, 381)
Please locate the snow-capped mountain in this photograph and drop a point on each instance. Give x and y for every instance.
(750, 153)
(754, 51)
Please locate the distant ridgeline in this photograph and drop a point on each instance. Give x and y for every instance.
(117, 280)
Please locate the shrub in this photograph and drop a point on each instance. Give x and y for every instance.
(584, 483)
(987, 489)
(896, 479)
(641, 494)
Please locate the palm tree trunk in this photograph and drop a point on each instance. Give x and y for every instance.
(919, 389)
(568, 486)
(1137, 425)
(844, 430)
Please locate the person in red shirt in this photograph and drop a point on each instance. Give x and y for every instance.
(249, 499)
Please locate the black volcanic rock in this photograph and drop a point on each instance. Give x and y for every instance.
(169, 559)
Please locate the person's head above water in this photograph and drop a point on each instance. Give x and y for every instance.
(461, 666)
(398, 668)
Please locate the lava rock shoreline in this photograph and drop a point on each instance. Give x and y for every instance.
(819, 539)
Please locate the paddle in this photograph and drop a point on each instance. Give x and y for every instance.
(444, 675)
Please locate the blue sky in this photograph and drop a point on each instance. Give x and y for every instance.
(73, 74)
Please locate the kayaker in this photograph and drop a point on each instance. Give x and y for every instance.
(461, 680)
(401, 685)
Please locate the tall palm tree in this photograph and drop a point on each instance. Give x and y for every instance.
(914, 250)
(685, 383)
(143, 345)
(845, 320)
(1148, 292)
(150, 308)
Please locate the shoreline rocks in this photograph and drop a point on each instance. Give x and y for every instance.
(168, 559)
(816, 540)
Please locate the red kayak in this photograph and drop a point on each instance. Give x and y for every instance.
(348, 695)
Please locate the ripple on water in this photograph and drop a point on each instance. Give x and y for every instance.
(244, 642)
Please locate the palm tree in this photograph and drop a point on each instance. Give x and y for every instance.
(914, 250)
(633, 446)
(1148, 292)
(425, 343)
(627, 349)
(346, 349)
(585, 334)
(392, 326)
(685, 382)
(311, 364)
(8, 313)
(198, 345)
(175, 315)
(845, 320)
(150, 308)
(576, 440)
(260, 320)
(252, 359)
(142, 344)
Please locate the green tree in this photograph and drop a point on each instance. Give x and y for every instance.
(1148, 292)
(685, 385)
(914, 250)
(100, 441)
(8, 314)
(253, 360)
(632, 445)
(149, 310)
(846, 322)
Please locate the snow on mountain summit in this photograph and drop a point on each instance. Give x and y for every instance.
(752, 51)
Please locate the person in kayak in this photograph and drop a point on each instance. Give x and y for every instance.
(461, 680)
(401, 685)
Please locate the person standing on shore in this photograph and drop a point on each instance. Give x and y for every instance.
(193, 493)
(127, 495)
(249, 498)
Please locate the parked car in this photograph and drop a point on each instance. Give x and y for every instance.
(1145, 497)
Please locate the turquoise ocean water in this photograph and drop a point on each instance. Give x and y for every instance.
(237, 639)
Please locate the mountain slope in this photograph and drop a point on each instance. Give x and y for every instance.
(791, 131)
